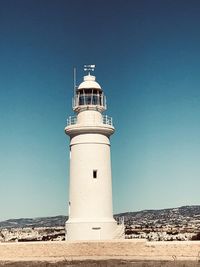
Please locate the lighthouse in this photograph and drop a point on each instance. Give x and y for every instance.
(90, 183)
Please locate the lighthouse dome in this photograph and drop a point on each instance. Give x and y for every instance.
(89, 82)
(89, 95)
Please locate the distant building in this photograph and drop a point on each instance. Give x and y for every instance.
(90, 193)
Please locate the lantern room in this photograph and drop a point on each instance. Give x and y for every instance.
(89, 95)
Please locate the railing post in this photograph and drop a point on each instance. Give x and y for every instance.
(107, 120)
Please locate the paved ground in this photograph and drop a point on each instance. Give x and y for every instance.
(103, 263)
(117, 251)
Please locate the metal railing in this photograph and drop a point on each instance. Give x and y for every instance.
(71, 120)
(106, 120)
(89, 100)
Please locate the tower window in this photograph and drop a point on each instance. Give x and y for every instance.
(94, 174)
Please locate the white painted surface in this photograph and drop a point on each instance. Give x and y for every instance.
(91, 213)
(89, 82)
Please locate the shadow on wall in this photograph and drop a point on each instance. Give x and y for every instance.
(196, 237)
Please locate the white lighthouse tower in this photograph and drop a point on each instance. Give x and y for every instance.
(90, 196)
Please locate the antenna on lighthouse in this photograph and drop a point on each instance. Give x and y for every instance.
(89, 68)
(74, 78)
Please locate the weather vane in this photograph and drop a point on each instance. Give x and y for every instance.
(89, 68)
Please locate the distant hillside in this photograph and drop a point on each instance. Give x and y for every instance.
(186, 211)
(35, 222)
(163, 215)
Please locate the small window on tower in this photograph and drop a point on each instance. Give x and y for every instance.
(94, 174)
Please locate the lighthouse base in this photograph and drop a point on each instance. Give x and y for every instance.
(91, 230)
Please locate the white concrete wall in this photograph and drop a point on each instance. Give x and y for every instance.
(89, 197)
(91, 214)
(90, 117)
(91, 230)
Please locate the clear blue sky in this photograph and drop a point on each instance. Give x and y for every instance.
(148, 60)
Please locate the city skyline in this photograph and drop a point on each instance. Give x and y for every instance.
(147, 62)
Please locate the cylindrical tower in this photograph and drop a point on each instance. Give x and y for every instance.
(90, 194)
